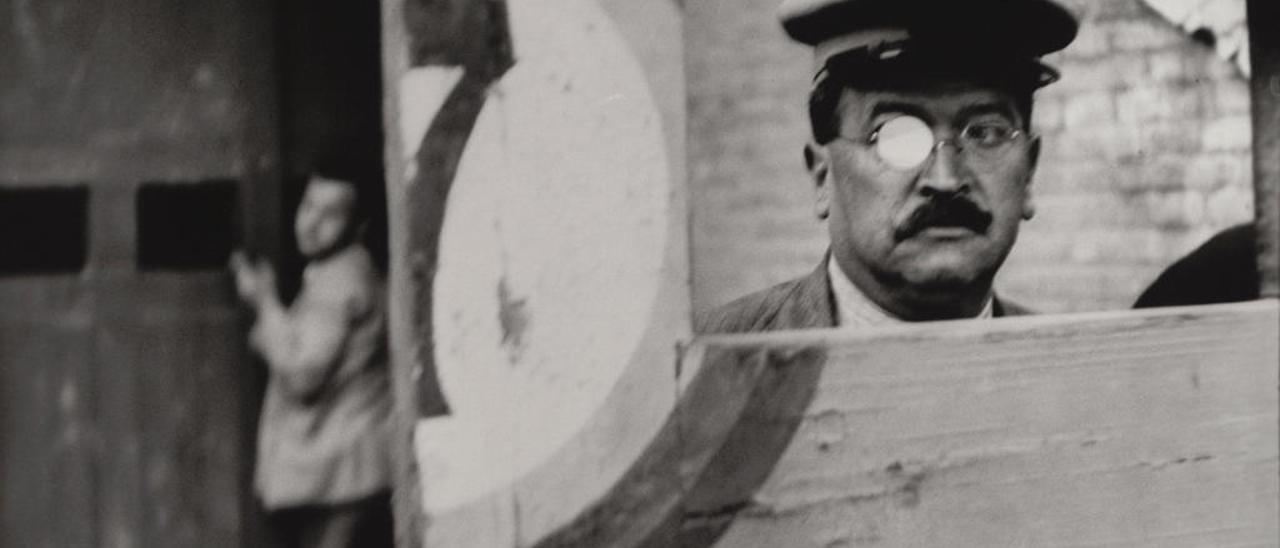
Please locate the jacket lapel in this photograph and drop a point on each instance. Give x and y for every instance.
(810, 304)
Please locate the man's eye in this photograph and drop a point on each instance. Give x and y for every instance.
(988, 134)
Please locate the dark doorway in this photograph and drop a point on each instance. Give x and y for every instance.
(331, 98)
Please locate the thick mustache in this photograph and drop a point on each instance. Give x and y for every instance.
(953, 210)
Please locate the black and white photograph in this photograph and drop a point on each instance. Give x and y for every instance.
(639, 273)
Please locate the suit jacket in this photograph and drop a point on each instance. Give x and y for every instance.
(1222, 270)
(802, 303)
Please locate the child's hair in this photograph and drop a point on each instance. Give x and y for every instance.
(362, 170)
(360, 165)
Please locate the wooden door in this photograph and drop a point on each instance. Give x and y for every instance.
(136, 134)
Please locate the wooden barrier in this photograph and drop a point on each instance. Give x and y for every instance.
(1124, 429)
(1116, 429)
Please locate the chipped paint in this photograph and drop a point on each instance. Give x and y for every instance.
(513, 317)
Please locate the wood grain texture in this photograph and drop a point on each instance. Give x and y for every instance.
(124, 399)
(1265, 60)
(1125, 429)
(188, 421)
(47, 424)
(128, 89)
(170, 358)
(1115, 429)
(402, 339)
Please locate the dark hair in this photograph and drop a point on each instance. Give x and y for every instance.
(359, 164)
(854, 72)
(362, 170)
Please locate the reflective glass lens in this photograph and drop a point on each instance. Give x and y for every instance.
(988, 136)
(904, 142)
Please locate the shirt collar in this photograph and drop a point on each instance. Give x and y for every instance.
(855, 309)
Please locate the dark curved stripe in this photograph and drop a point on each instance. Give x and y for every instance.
(753, 447)
(460, 33)
(474, 35)
(437, 159)
(718, 447)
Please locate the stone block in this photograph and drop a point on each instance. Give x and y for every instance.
(1047, 116)
(1089, 110)
(1144, 35)
(1217, 170)
(1173, 210)
(1114, 71)
(1228, 134)
(1168, 65)
(1229, 205)
(1171, 136)
(1231, 96)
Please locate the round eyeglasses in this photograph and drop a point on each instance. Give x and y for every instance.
(905, 142)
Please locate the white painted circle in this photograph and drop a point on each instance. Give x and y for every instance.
(550, 255)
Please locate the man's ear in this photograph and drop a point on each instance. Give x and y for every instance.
(1029, 202)
(818, 161)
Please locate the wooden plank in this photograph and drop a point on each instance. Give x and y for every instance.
(126, 89)
(263, 227)
(131, 92)
(190, 465)
(172, 461)
(402, 338)
(46, 430)
(1265, 60)
(117, 406)
(1119, 429)
(169, 349)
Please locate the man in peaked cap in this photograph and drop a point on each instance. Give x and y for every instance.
(922, 157)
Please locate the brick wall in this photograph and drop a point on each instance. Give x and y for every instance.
(1146, 154)
(750, 197)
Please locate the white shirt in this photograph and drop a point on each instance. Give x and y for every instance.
(330, 445)
(855, 309)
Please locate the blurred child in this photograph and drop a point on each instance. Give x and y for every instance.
(323, 468)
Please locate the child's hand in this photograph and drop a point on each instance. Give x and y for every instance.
(248, 284)
(266, 276)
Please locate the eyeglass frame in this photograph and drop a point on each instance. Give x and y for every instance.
(873, 138)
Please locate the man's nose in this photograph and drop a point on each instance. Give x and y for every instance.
(944, 171)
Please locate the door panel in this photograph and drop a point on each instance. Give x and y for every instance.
(128, 399)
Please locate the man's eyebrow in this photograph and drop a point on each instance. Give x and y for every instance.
(899, 107)
(989, 108)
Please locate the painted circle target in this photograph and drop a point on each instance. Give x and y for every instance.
(550, 255)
